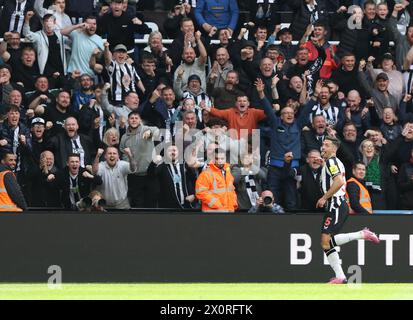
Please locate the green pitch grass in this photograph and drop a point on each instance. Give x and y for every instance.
(209, 291)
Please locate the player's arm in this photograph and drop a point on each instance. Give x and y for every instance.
(338, 182)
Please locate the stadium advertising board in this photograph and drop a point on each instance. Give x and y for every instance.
(154, 247)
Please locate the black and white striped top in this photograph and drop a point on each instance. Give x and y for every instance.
(123, 79)
(17, 17)
(330, 114)
(332, 168)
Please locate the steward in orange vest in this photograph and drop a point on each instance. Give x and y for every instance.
(215, 186)
(358, 197)
(11, 197)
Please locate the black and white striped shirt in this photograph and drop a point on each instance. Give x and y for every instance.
(123, 79)
(332, 168)
(17, 17)
(330, 114)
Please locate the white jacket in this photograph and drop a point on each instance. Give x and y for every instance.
(41, 44)
(62, 19)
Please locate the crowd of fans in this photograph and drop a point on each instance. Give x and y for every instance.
(90, 119)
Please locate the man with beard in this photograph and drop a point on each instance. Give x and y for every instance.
(159, 110)
(114, 173)
(380, 95)
(309, 173)
(85, 42)
(84, 94)
(92, 119)
(191, 65)
(55, 115)
(220, 68)
(11, 199)
(333, 185)
(70, 141)
(42, 192)
(15, 138)
(225, 98)
(268, 76)
(176, 181)
(346, 75)
(320, 104)
(11, 47)
(139, 140)
(312, 139)
(296, 90)
(356, 114)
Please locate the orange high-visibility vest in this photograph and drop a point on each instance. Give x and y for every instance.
(6, 204)
(216, 192)
(365, 200)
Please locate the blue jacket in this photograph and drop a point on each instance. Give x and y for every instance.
(219, 13)
(285, 137)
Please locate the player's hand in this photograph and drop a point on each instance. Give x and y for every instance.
(190, 198)
(321, 203)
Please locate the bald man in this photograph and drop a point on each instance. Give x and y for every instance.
(221, 66)
(357, 114)
(70, 141)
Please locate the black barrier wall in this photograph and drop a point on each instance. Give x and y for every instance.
(195, 248)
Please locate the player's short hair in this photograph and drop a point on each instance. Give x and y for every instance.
(334, 141)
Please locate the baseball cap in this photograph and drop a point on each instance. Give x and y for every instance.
(382, 76)
(194, 77)
(120, 47)
(38, 120)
